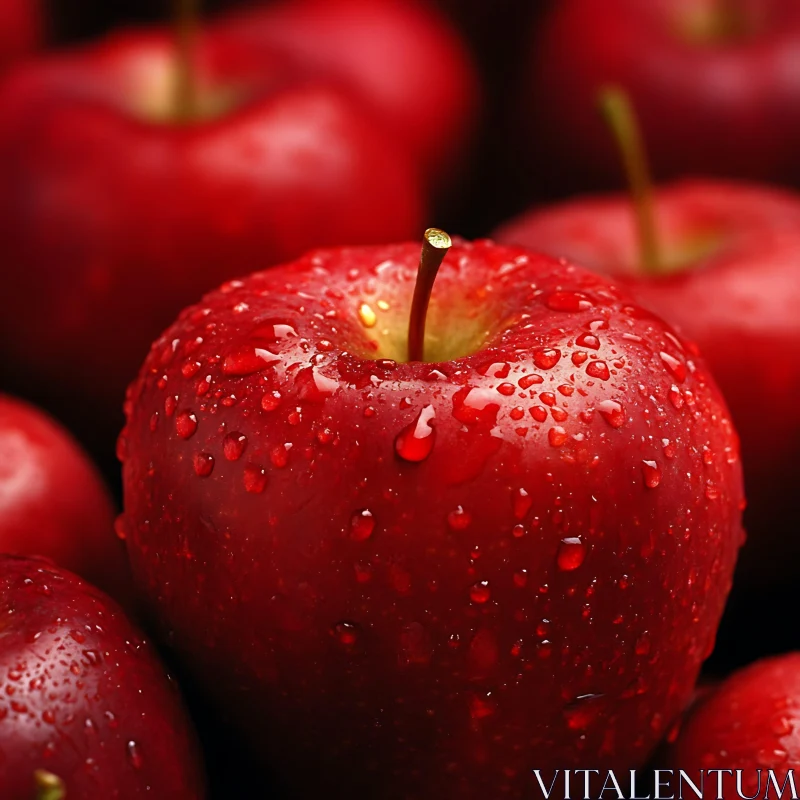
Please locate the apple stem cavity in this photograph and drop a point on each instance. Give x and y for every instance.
(616, 108)
(48, 786)
(435, 244)
(186, 17)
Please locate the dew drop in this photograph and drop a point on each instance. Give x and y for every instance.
(598, 369)
(362, 525)
(247, 361)
(415, 442)
(568, 301)
(677, 368)
(521, 503)
(474, 406)
(346, 633)
(546, 357)
(203, 464)
(270, 401)
(255, 479)
(186, 424)
(588, 340)
(458, 519)
(571, 553)
(134, 755)
(480, 592)
(612, 412)
(234, 445)
(651, 473)
(557, 436)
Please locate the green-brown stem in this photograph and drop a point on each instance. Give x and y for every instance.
(186, 25)
(435, 244)
(621, 119)
(48, 786)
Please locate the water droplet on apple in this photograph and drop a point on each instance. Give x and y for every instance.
(598, 369)
(546, 357)
(255, 478)
(346, 633)
(134, 755)
(589, 341)
(186, 424)
(415, 442)
(480, 592)
(203, 464)
(557, 436)
(247, 361)
(362, 524)
(571, 553)
(567, 301)
(652, 474)
(474, 406)
(676, 367)
(234, 445)
(521, 503)
(612, 412)
(458, 519)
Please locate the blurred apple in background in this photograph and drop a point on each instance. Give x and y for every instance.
(120, 204)
(20, 30)
(715, 82)
(719, 260)
(399, 57)
(53, 503)
(86, 709)
(750, 722)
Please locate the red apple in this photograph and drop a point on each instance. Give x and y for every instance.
(85, 706)
(715, 85)
(750, 723)
(399, 56)
(732, 285)
(52, 501)
(20, 30)
(425, 579)
(115, 213)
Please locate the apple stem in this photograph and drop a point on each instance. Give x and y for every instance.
(186, 16)
(435, 244)
(621, 119)
(48, 786)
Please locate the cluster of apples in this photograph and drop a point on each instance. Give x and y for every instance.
(413, 523)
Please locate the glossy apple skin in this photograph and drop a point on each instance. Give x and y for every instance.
(750, 722)
(84, 695)
(401, 58)
(20, 30)
(425, 620)
(738, 304)
(728, 108)
(53, 502)
(110, 223)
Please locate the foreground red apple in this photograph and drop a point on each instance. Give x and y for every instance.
(52, 501)
(86, 710)
(20, 30)
(715, 84)
(749, 723)
(426, 579)
(730, 282)
(399, 56)
(116, 211)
